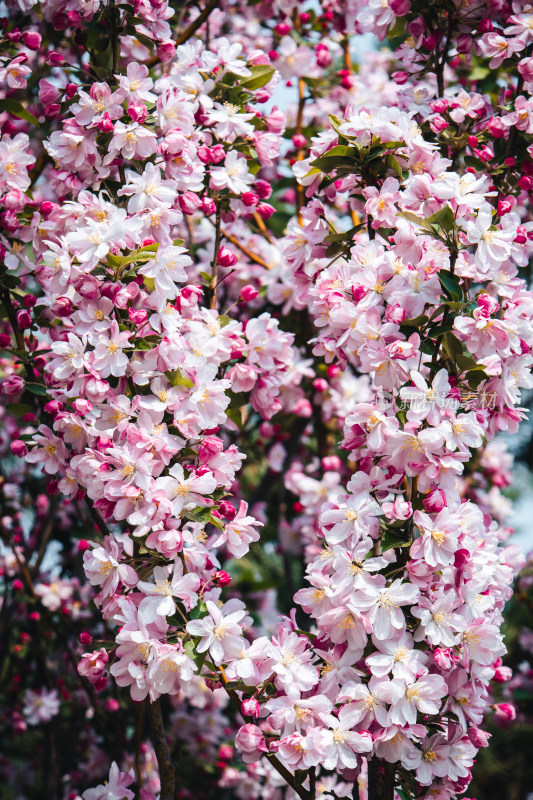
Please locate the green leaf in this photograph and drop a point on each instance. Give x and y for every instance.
(37, 388)
(19, 409)
(391, 539)
(339, 155)
(261, 75)
(16, 109)
(394, 165)
(198, 611)
(453, 345)
(475, 376)
(198, 514)
(416, 322)
(451, 285)
(177, 378)
(444, 218)
(148, 343)
(224, 320)
(467, 363)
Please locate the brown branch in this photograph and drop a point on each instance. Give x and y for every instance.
(200, 19)
(251, 255)
(167, 773)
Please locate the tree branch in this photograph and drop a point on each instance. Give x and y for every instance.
(164, 762)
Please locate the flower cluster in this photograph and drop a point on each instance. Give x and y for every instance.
(183, 356)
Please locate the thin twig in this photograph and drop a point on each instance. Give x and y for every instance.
(167, 773)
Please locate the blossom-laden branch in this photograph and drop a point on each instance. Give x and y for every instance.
(342, 410)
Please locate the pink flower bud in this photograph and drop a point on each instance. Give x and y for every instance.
(31, 40)
(46, 208)
(48, 93)
(250, 707)
(299, 141)
(503, 674)
(52, 488)
(521, 235)
(461, 559)
(464, 43)
(82, 406)
(106, 124)
(208, 206)
(348, 81)
(53, 407)
(29, 301)
(221, 578)
(5, 340)
(225, 752)
(489, 305)
(485, 26)
(250, 199)
(62, 307)
(87, 286)
(85, 638)
(400, 7)
(442, 658)
(226, 257)
(331, 463)
(12, 385)
(55, 59)
(525, 182)
(217, 154)
(250, 742)
(24, 320)
(70, 90)
(210, 446)
(17, 585)
(505, 711)
(138, 317)
(248, 293)
(15, 200)
(323, 57)
(18, 448)
(189, 202)
(265, 210)
(263, 189)
(261, 96)
(438, 123)
(226, 510)
(303, 408)
(478, 737)
(333, 370)
(435, 501)
(111, 704)
(166, 51)
(496, 128)
(204, 154)
(400, 77)
(395, 314)
(320, 385)
(505, 204)
(52, 111)
(282, 29)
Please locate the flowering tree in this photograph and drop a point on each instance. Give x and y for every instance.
(213, 396)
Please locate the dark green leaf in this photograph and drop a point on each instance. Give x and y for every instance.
(261, 75)
(16, 109)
